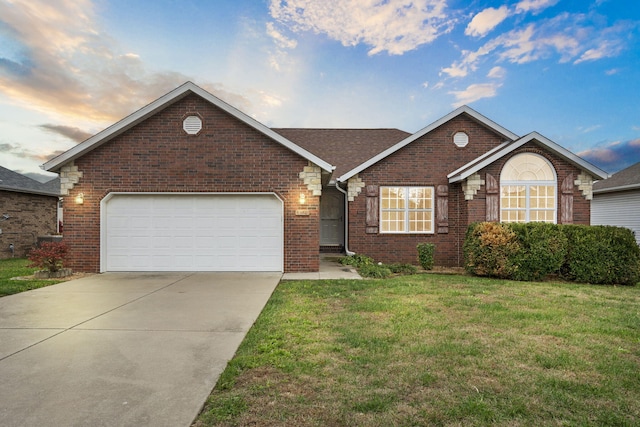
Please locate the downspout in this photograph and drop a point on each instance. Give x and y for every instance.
(346, 220)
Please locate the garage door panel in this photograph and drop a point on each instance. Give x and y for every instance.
(193, 233)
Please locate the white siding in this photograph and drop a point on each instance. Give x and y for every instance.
(620, 209)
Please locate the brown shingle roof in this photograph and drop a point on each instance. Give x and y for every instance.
(344, 148)
(625, 179)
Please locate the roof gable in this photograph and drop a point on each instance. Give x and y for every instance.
(626, 179)
(490, 124)
(508, 147)
(162, 103)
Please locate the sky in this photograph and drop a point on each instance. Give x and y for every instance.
(568, 69)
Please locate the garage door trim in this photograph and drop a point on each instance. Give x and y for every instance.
(105, 200)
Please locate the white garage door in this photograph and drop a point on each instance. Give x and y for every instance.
(192, 233)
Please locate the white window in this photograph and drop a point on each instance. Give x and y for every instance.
(528, 190)
(406, 209)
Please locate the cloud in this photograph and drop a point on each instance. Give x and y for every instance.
(62, 65)
(614, 156)
(280, 39)
(22, 152)
(475, 92)
(394, 26)
(534, 6)
(73, 133)
(497, 73)
(568, 37)
(486, 20)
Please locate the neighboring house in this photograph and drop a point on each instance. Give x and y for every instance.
(190, 183)
(28, 209)
(616, 200)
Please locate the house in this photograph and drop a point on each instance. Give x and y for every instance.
(28, 209)
(191, 183)
(616, 200)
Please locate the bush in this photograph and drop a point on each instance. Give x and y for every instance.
(49, 256)
(402, 268)
(601, 255)
(487, 249)
(375, 271)
(425, 255)
(357, 260)
(543, 249)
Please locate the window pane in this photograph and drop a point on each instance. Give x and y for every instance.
(392, 221)
(420, 222)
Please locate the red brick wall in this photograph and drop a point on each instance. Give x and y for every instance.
(31, 216)
(158, 156)
(427, 162)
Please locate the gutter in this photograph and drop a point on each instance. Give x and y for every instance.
(346, 221)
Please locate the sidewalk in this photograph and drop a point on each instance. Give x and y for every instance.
(330, 268)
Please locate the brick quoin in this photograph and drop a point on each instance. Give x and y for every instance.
(156, 155)
(426, 162)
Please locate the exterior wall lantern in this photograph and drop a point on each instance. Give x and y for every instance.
(80, 199)
(303, 199)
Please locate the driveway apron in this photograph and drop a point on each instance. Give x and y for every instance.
(123, 349)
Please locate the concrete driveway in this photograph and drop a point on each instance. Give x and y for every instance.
(123, 349)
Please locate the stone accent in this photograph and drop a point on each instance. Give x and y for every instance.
(354, 187)
(585, 184)
(69, 176)
(312, 177)
(471, 186)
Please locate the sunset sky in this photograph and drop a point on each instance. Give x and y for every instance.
(569, 69)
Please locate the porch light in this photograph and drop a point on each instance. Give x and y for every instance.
(80, 199)
(303, 199)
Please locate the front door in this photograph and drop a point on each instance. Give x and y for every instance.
(331, 217)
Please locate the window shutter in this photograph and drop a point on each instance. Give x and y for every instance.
(493, 198)
(566, 200)
(372, 198)
(442, 208)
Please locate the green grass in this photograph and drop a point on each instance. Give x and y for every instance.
(17, 267)
(436, 350)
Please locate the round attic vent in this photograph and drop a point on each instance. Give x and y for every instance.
(461, 139)
(192, 125)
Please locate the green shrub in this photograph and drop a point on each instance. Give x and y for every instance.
(402, 268)
(542, 250)
(425, 255)
(487, 249)
(601, 255)
(375, 271)
(356, 260)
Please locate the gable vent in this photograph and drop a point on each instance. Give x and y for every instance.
(461, 139)
(192, 125)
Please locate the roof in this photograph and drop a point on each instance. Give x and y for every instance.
(13, 181)
(626, 179)
(508, 147)
(163, 102)
(505, 133)
(344, 148)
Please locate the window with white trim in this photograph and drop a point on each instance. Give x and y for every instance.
(406, 209)
(528, 190)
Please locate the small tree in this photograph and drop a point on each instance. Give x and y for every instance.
(49, 256)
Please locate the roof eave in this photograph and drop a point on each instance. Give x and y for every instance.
(617, 188)
(596, 172)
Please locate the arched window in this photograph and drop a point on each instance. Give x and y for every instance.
(528, 190)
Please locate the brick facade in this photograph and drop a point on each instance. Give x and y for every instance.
(426, 162)
(31, 215)
(156, 155)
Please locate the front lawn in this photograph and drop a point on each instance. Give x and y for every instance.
(17, 267)
(436, 350)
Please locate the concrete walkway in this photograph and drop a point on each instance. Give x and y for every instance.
(330, 268)
(123, 349)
